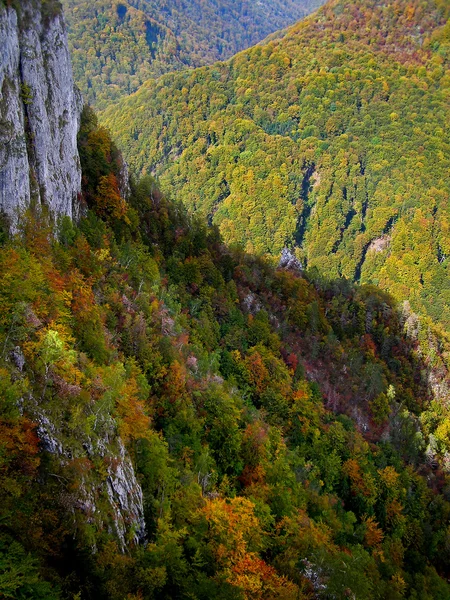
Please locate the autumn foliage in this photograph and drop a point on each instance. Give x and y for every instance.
(243, 395)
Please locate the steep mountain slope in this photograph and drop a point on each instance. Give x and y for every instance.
(333, 140)
(138, 333)
(117, 46)
(40, 113)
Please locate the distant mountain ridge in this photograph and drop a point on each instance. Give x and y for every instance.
(117, 46)
(332, 140)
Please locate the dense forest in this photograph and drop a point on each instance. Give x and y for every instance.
(331, 140)
(228, 377)
(116, 46)
(284, 427)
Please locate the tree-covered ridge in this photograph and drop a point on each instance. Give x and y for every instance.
(220, 374)
(332, 140)
(117, 46)
(404, 29)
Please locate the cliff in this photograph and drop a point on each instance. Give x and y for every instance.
(39, 111)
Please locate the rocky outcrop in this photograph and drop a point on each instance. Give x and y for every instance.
(39, 111)
(126, 499)
(117, 483)
(289, 262)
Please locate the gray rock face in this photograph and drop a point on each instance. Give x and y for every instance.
(125, 496)
(14, 166)
(39, 111)
(289, 261)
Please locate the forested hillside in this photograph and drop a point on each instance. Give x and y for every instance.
(182, 419)
(332, 140)
(286, 437)
(116, 46)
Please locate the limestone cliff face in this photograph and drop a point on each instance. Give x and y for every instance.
(39, 110)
